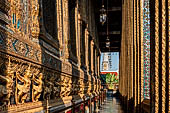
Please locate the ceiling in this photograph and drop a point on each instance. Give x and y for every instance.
(114, 17)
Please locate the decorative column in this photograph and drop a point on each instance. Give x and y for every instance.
(163, 56)
(86, 47)
(96, 61)
(92, 58)
(60, 26)
(168, 55)
(156, 56)
(135, 56)
(65, 29)
(138, 54)
(72, 8)
(79, 38)
(141, 52)
(98, 65)
(82, 45)
(89, 50)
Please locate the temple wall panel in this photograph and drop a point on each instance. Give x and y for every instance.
(35, 69)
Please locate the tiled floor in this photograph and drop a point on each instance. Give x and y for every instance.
(111, 105)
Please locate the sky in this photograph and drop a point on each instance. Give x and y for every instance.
(114, 62)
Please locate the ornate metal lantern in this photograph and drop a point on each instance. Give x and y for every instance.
(103, 15)
(107, 39)
(107, 42)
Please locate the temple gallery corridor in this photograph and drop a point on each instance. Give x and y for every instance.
(84, 56)
(111, 105)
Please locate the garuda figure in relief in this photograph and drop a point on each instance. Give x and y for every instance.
(57, 86)
(37, 85)
(6, 84)
(81, 87)
(22, 86)
(65, 86)
(48, 87)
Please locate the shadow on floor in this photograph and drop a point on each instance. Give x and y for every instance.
(111, 105)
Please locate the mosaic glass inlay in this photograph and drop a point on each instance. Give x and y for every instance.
(146, 44)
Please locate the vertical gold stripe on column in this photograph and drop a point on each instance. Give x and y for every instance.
(121, 66)
(156, 56)
(127, 41)
(131, 50)
(59, 23)
(135, 84)
(169, 52)
(141, 44)
(163, 55)
(86, 50)
(128, 53)
(123, 52)
(138, 64)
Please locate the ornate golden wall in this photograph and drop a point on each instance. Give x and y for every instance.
(38, 70)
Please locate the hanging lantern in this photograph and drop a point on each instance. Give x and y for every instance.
(103, 15)
(107, 43)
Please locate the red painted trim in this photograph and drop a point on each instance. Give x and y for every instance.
(109, 72)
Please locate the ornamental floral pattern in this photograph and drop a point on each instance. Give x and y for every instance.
(146, 44)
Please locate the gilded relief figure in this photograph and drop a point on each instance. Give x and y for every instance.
(81, 87)
(73, 87)
(48, 87)
(6, 84)
(37, 86)
(63, 90)
(68, 86)
(35, 24)
(22, 85)
(16, 13)
(89, 87)
(65, 86)
(78, 87)
(57, 86)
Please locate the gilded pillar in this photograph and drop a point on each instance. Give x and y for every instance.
(92, 58)
(138, 53)
(156, 56)
(163, 55)
(168, 52)
(65, 29)
(98, 65)
(131, 51)
(60, 25)
(135, 57)
(141, 52)
(86, 47)
(79, 38)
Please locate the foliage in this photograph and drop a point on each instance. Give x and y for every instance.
(109, 78)
(112, 78)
